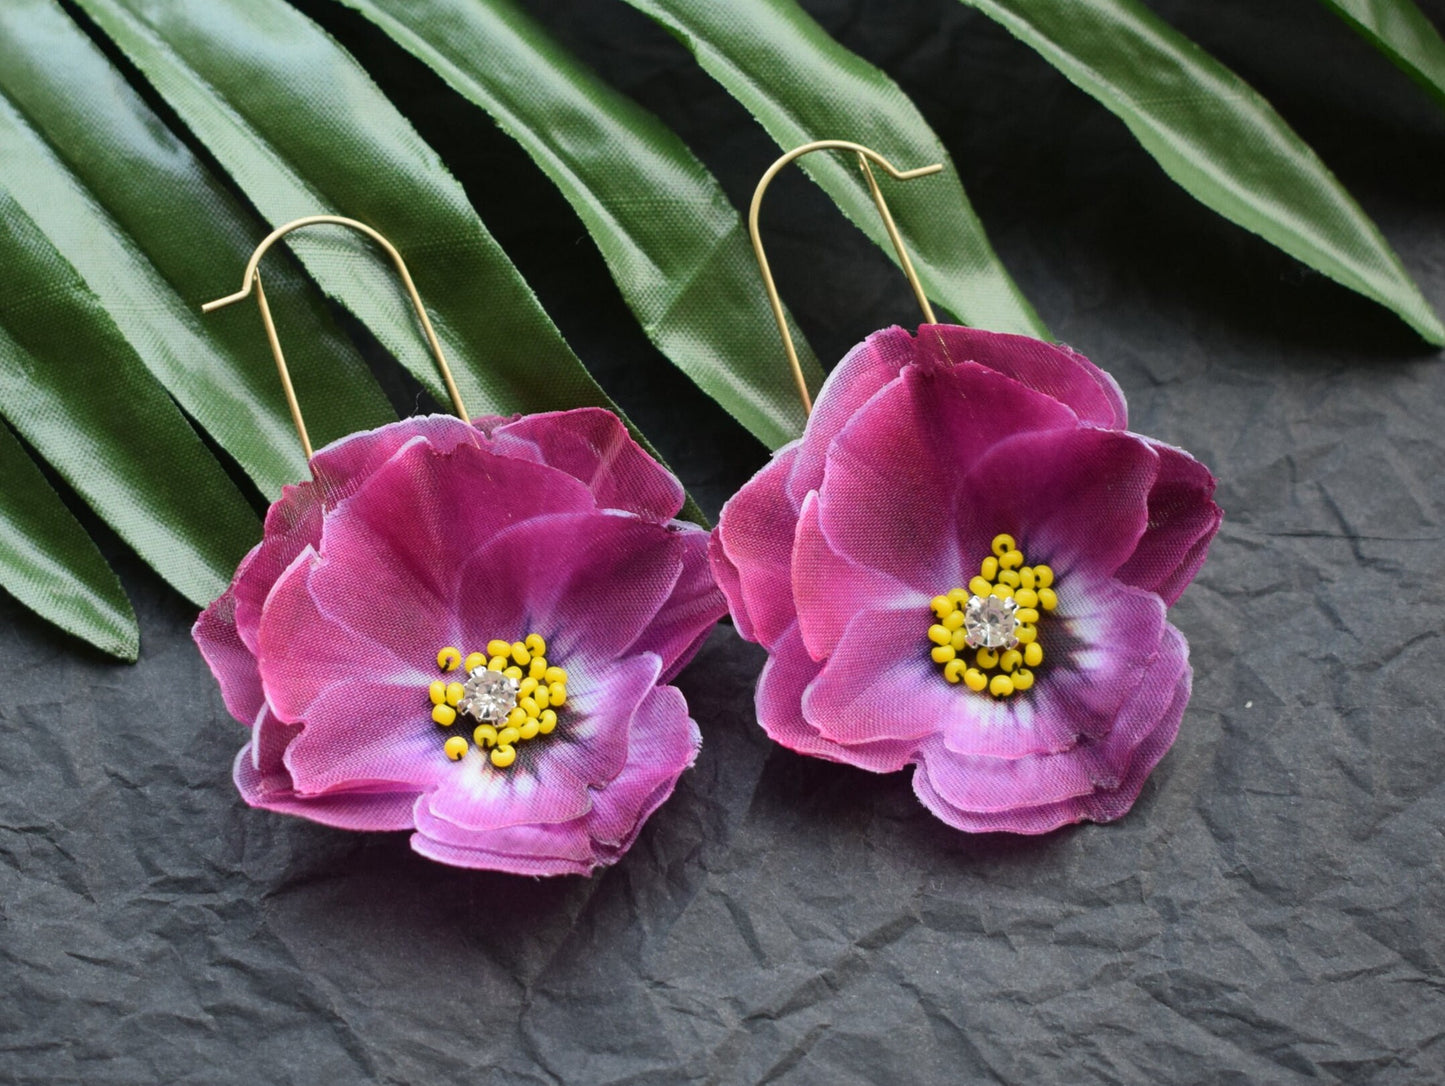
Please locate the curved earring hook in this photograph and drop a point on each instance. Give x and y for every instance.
(252, 278)
(864, 155)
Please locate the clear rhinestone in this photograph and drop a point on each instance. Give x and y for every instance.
(488, 696)
(990, 622)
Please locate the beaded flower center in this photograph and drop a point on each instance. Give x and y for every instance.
(986, 636)
(511, 694)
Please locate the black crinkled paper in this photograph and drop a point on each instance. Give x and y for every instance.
(1270, 912)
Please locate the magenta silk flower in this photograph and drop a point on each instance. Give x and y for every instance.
(521, 583)
(964, 565)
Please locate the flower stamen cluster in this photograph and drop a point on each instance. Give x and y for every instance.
(511, 691)
(996, 617)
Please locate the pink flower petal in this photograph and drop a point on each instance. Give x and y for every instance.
(864, 371)
(893, 471)
(293, 523)
(344, 465)
(351, 810)
(829, 590)
(553, 778)
(1097, 781)
(1182, 521)
(229, 658)
(786, 675)
(1077, 500)
(684, 621)
(1098, 645)
(755, 531)
(1055, 370)
(593, 446)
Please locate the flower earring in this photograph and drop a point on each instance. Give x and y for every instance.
(964, 565)
(465, 629)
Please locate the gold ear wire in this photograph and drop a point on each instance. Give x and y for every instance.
(864, 154)
(252, 278)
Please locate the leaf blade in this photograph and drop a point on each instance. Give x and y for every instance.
(87, 159)
(50, 565)
(1400, 30)
(674, 244)
(73, 387)
(801, 85)
(303, 130)
(1217, 138)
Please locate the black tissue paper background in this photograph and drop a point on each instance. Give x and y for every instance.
(1270, 912)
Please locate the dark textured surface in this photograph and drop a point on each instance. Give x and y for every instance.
(1271, 912)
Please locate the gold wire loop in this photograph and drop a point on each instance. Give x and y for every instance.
(252, 279)
(864, 155)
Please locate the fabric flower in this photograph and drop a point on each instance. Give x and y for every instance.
(963, 565)
(416, 549)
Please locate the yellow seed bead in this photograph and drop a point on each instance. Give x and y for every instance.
(516, 717)
(1033, 654)
(455, 693)
(504, 756)
(942, 606)
(448, 659)
(529, 706)
(543, 697)
(1026, 633)
(508, 735)
(1003, 543)
(1000, 686)
(980, 586)
(546, 722)
(527, 689)
(484, 735)
(1011, 560)
(1026, 614)
(444, 715)
(942, 654)
(1026, 597)
(1009, 577)
(475, 660)
(988, 569)
(953, 621)
(953, 670)
(498, 647)
(1002, 591)
(1026, 576)
(1048, 600)
(556, 675)
(529, 729)
(960, 640)
(1043, 576)
(538, 667)
(437, 691)
(939, 634)
(497, 663)
(975, 679)
(1010, 659)
(456, 748)
(521, 654)
(536, 644)
(513, 672)
(1023, 679)
(959, 596)
(987, 658)
(557, 693)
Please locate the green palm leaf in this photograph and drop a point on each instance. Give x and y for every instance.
(1218, 138)
(673, 243)
(1401, 31)
(87, 159)
(49, 564)
(73, 387)
(303, 130)
(801, 85)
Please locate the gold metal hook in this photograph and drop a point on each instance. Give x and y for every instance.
(252, 279)
(864, 155)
